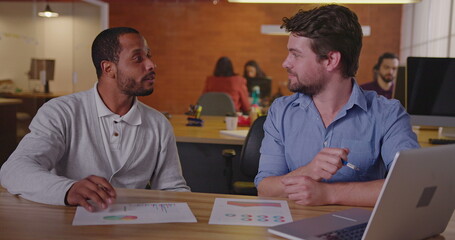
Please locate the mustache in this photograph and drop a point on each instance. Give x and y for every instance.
(150, 75)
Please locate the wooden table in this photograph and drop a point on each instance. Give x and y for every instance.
(423, 134)
(200, 153)
(208, 133)
(32, 101)
(23, 219)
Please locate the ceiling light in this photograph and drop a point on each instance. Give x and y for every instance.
(48, 12)
(328, 1)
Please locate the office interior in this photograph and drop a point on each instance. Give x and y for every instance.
(188, 36)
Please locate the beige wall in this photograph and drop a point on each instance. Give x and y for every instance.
(67, 39)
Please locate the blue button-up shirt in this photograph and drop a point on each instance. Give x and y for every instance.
(372, 127)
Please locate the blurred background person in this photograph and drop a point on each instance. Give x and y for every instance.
(225, 80)
(384, 74)
(255, 76)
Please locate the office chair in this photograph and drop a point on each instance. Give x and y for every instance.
(216, 104)
(249, 160)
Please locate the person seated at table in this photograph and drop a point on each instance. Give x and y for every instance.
(330, 142)
(255, 76)
(225, 80)
(83, 145)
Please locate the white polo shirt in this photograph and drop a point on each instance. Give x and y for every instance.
(118, 132)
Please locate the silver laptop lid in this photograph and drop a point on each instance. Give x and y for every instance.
(418, 197)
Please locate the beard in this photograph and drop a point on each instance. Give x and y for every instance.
(311, 89)
(386, 78)
(129, 87)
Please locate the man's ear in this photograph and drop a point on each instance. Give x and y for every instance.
(109, 68)
(333, 60)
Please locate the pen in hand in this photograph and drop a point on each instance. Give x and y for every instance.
(350, 165)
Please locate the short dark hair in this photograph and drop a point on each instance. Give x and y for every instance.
(330, 28)
(224, 68)
(381, 58)
(259, 72)
(106, 46)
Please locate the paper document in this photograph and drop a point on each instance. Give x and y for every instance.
(135, 213)
(235, 133)
(252, 212)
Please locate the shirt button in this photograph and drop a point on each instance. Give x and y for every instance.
(325, 144)
(116, 134)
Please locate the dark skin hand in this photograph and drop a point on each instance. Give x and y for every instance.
(94, 188)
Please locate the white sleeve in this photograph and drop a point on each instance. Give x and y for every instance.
(168, 171)
(28, 171)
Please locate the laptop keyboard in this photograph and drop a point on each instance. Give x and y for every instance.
(349, 233)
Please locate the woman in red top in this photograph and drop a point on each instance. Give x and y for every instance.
(225, 80)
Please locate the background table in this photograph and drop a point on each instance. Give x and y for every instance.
(23, 219)
(208, 133)
(425, 133)
(200, 153)
(31, 101)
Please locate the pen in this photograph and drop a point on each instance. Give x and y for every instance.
(350, 165)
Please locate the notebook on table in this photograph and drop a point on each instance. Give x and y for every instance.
(416, 202)
(235, 133)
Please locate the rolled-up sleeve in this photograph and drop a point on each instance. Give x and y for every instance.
(272, 161)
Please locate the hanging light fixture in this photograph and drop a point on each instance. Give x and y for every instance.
(48, 12)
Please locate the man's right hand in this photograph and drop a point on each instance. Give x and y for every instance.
(324, 165)
(94, 188)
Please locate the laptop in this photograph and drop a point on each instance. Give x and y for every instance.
(416, 202)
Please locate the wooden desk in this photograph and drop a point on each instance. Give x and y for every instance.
(209, 133)
(32, 101)
(22, 219)
(200, 153)
(424, 134)
(34, 95)
(8, 110)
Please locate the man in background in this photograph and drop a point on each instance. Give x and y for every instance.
(329, 142)
(385, 73)
(83, 145)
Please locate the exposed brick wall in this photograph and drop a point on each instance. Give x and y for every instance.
(187, 37)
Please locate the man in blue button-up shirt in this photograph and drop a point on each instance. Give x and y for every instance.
(329, 123)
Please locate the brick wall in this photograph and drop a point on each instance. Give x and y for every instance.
(188, 36)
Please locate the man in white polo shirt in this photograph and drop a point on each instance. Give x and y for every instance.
(83, 145)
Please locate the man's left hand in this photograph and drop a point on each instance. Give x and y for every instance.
(306, 191)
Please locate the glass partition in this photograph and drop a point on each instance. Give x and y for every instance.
(66, 39)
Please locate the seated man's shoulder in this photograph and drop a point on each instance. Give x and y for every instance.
(381, 103)
(70, 101)
(285, 100)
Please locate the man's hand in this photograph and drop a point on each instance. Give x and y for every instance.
(94, 188)
(324, 165)
(306, 191)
